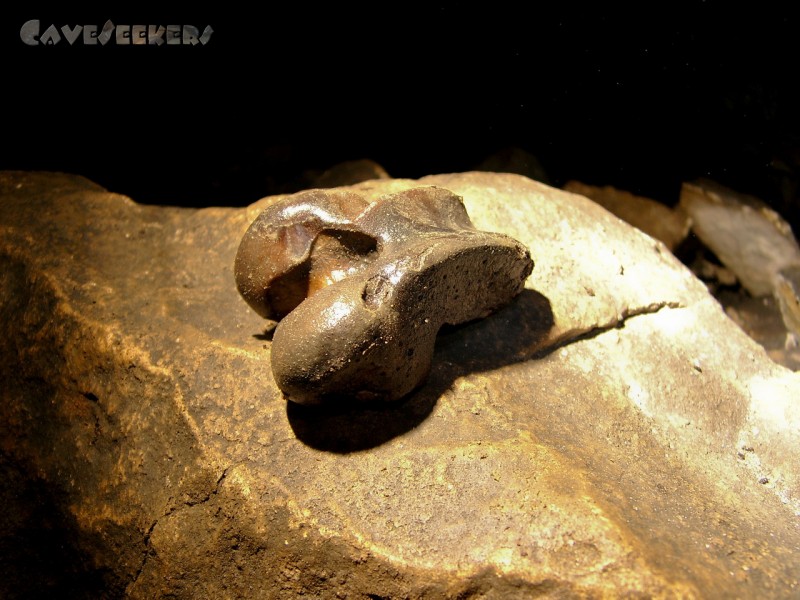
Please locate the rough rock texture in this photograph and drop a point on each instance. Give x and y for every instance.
(609, 433)
(761, 319)
(670, 225)
(750, 238)
(787, 294)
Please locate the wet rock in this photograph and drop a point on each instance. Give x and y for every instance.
(657, 220)
(605, 434)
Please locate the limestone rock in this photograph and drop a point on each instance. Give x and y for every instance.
(787, 293)
(762, 320)
(749, 238)
(610, 433)
(758, 251)
(661, 222)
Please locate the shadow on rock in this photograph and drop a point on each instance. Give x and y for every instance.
(513, 334)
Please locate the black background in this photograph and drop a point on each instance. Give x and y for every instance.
(641, 99)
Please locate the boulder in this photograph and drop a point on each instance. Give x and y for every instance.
(609, 433)
(749, 237)
(670, 225)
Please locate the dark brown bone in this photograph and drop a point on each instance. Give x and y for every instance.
(396, 271)
(275, 266)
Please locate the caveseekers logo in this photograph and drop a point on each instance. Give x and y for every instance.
(123, 35)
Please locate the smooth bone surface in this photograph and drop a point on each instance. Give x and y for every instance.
(361, 289)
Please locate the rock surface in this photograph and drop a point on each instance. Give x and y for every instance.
(609, 433)
(750, 238)
(670, 225)
(761, 319)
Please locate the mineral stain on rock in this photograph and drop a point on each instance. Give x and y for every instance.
(362, 288)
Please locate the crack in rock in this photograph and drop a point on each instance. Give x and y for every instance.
(617, 322)
(207, 497)
(148, 551)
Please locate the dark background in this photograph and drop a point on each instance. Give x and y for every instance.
(641, 99)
